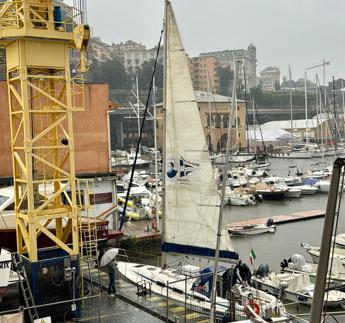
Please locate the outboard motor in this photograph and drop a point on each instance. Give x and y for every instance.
(263, 270)
(270, 222)
(284, 264)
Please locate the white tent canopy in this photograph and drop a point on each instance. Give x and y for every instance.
(269, 135)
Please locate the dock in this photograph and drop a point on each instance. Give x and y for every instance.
(141, 230)
(156, 305)
(281, 219)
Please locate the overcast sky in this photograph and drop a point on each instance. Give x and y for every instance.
(296, 32)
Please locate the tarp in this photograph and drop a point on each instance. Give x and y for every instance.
(295, 282)
(269, 135)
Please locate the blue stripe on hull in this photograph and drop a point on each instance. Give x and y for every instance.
(198, 251)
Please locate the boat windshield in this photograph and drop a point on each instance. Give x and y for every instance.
(3, 199)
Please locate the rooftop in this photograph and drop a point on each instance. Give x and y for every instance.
(297, 124)
(203, 96)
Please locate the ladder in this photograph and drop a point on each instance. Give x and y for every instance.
(87, 234)
(19, 268)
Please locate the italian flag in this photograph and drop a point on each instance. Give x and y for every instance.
(252, 256)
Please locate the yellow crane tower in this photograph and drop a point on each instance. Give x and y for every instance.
(38, 36)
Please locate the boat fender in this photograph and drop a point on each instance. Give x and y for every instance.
(255, 306)
(272, 188)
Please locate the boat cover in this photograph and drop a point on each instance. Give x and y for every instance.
(295, 282)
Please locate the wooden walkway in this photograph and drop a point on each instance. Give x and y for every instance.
(281, 219)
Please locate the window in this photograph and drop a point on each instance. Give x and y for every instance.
(218, 121)
(225, 121)
(209, 121)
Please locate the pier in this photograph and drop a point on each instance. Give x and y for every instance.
(281, 219)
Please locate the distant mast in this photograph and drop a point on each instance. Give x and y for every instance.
(291, 114)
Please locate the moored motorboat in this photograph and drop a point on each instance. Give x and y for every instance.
(295, 287)
(314, 253)
(238, 197)
(308, 189)
(298, 264)
(293, 192)
(252, 229)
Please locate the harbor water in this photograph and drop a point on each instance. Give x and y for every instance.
(272, 248)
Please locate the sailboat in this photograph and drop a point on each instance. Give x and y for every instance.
(191, 202)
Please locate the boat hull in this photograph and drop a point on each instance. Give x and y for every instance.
(294, 297)
(252, 230)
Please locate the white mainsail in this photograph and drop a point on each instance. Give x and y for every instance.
(191, 197)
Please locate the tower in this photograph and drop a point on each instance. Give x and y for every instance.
(38, 37)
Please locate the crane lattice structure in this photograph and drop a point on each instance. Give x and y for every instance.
(38, 36)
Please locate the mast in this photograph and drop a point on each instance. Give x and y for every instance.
(209, 110)
(138, 104)
(254, 124)
(245, 98)
(221, 212)
(321, 274)
(306, 107)
(163, 260)
(291, 116)
(234, 104)
(155, 145)
(343, 98)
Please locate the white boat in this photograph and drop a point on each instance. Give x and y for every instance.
(173, 282)
(293, 192)
(340, 240)
(295, 287)
(191, 199)
(250, 230)
(293, 180)
(293, 154)
(298, 264)
(308, 189)
(128, 161)
(5, 271)
(324, 186)
(238, 197)
(235, 159)
(314, 253)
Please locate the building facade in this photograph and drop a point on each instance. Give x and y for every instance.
(134, 58)
(246, 56)
(203, 71)
(214, 112)
(270, 79)
(90, 132)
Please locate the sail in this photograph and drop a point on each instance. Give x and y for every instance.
(191, 196)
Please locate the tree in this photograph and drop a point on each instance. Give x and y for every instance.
(112, 72)
(226, 77)
(145, 75)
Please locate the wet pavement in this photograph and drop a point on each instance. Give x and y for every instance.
(113, 310)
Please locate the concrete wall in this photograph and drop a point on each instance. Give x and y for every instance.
(90, 132)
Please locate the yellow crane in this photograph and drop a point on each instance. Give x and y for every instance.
(38, 36)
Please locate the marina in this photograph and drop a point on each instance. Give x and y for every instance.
(145, 184)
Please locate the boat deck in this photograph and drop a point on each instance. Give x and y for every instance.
(139, 230)
(281, 219)
(153, 304)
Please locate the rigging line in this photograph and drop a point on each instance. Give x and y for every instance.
(328, 130)
(335, 229)
(122, 219)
